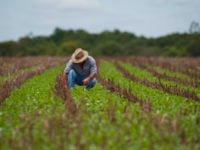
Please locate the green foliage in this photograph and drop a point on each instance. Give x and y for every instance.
(107, 43)
(59, 35)
(109, 48)
(28, 106)
(193, 47)
(36, 46)
(181, 110)
(34, 118)
(67, 48)
(8, 48)
(174, 51)
(142, 74)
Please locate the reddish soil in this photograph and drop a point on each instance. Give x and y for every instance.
(168, 89)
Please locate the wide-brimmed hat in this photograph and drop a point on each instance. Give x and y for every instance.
(79, 55)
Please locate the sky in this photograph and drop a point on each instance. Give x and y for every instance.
(149, 18)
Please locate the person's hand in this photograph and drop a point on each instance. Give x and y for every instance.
(86, 81)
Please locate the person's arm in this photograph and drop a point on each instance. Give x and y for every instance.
(87, 80)
(93, 71)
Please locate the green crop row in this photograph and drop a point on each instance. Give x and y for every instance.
(143, 74)
(171, 73)
(4, 78)
(108, 121)
(23, 113)
(187, 111)
(34, 118)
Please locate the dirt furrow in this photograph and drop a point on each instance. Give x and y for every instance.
(16, 82)
(169, 89)
(187, 66)
(10, 85)
(175, 79)
(126, 93)
(63, 91)
(192, 82)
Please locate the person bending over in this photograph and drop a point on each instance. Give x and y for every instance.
(81, 69)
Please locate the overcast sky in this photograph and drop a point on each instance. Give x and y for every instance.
(150, 18)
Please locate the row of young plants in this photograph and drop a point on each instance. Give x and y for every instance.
(25, 113)
(109, 121)
(171, 76)
(10, 65)
(96, 119)
(24, 70)
(8, 77)
(185, 68)
(170, 86)
(182, 111)
(105, 120)
(34, 118)
(167, 71)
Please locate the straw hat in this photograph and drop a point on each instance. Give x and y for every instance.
(79, 55)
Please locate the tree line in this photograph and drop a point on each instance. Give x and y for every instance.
(108, 43)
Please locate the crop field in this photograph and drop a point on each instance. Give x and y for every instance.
(138, 103)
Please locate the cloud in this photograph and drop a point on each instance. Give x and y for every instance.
(71, 3)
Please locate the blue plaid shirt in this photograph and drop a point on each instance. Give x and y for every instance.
(88, 67)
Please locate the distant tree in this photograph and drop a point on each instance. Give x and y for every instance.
(109, 48)
(174, 51)
(194, 27)
(9, 48)
(67, 48)
(131, 48)
(58, 35)
(110, 43)
(194, 48)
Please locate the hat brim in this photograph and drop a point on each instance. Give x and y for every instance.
(74, 60)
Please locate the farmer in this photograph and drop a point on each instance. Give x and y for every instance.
(81, 69)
